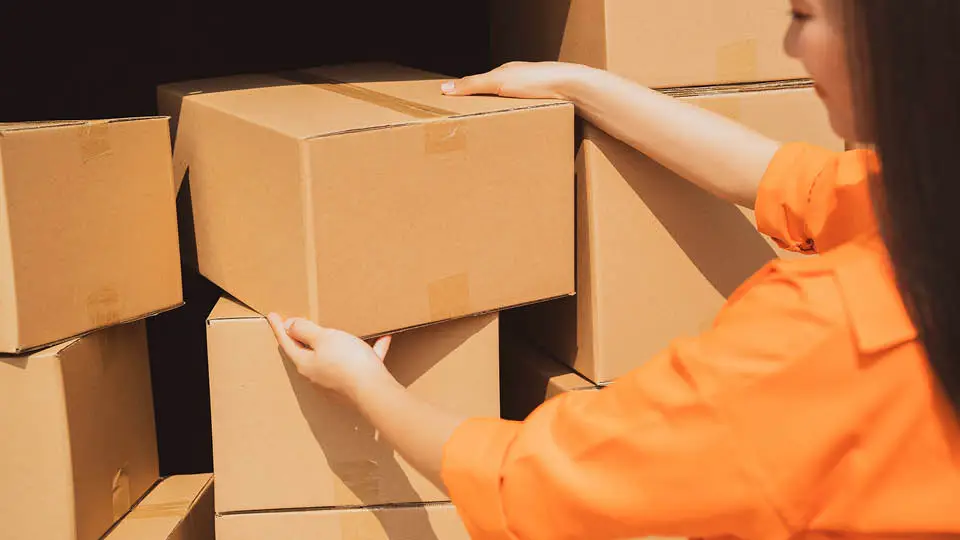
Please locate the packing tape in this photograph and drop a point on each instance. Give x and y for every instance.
(122, 500)
(94, 140)
(103, 307)
(737, 61)
(728, 106)
(162, 510)
(444, 137)
(355, 91)
(362, 525)
(359, 483)
(449, 297)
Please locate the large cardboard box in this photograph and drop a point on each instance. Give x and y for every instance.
(413, 522)
(178, 508)
(279, 442)
(78, 445)
(528, 378)
(657, 257)
(659, 43)
(88, 228)
(306, 195)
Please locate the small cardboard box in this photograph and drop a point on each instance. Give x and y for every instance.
(308, 189)
(79, 446)
(528, 378)
(279, 442)
(657, 256)
(88, 228)
(658, 43)
(178, 508)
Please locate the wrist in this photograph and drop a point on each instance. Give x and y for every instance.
(369, 384)
(573, 81)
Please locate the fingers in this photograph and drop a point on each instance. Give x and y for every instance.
(382, 346)
(486, 83)
(293, 350)
(304, 331)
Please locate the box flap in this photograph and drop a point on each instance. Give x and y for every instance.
(323, 101)
(396, 82)
(228, 308)
(8, 127)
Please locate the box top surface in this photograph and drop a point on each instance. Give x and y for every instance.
(319, 102)
(13, 127)
(163, 509)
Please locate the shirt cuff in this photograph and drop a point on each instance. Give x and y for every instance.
(784, 193)
(472, 462)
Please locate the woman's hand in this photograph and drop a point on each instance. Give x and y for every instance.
(329, 358)
(337, 361)
(538, 80)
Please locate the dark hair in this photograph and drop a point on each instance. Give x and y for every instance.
(905, 62)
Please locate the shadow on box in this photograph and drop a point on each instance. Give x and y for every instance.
(352, 449)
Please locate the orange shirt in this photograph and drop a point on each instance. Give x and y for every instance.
(808, 411)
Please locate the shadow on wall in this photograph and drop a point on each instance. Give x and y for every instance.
(105, 59)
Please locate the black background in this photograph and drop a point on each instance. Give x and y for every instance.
(104, 59)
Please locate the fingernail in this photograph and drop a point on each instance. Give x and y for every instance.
(448, 87)
(288, 325)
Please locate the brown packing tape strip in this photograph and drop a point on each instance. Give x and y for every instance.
(362, 525)
(394, 103)
(444, 137)
(449, 297)
(728, 106)
(94, 140)
(737, 61)
(165, 510)
(359, 483)
(122, 500)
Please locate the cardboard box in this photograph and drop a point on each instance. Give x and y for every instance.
(280, 443)
(88, 230)
(306, 195)
(655, 42)
(79, 446)
(414, 522)
(528, 378)
(178, 508)
(657, 256)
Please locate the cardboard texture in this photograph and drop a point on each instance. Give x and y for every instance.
(657, 257)
(281, 443)
(178, 508)
(528, 378)
(306, 195)
(655, 42)
(408, 522)
(96, 198)
(79, 446)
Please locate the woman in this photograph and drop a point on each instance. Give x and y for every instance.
(824, 401)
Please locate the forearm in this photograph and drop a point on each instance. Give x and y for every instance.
(418, 430)
(707, 149)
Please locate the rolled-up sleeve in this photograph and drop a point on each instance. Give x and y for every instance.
(811, 199)
(655, 454)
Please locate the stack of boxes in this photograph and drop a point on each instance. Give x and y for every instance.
(88, 249)
(361, 198)
(656, 256)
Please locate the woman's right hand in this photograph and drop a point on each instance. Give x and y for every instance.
(535, 80)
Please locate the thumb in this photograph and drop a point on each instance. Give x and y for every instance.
(468, 86)
(382, 346)
(304, 331)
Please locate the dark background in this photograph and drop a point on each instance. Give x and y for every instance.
(89, 60)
